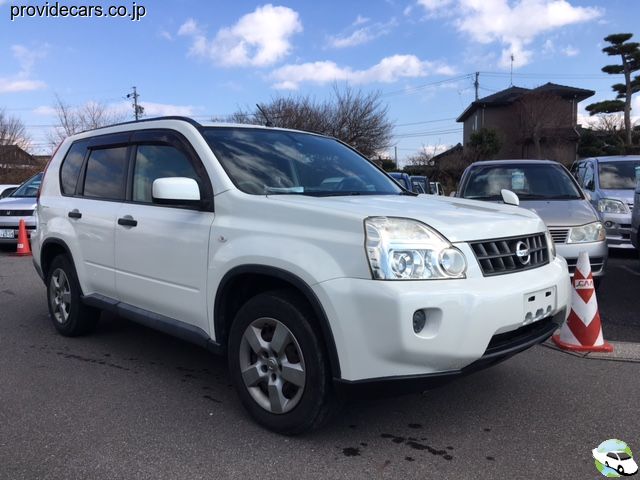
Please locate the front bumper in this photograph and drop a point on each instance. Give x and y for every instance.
(501, 347)
(618, 228)
(372, 320)
(598, 253)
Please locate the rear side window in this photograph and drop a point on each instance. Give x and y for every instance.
(71, 166)
(106, 173)
(158, 161)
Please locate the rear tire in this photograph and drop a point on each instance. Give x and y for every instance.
(69, 315)
(278, 364)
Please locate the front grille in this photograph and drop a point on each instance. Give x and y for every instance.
(559, 235)
(16, 213)
(597, 263)
(514, 254)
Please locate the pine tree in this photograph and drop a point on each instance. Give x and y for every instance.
(629, 53)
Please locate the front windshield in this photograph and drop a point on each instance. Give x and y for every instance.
(528, 181)
(29, 188)
(272, 162)
(624, 456)
(619, 175)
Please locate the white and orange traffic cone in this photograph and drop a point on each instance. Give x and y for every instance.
(582, 332)
(23, 240)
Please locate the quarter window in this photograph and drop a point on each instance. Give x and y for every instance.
(106, 173)
(158, 161)
(71, 168)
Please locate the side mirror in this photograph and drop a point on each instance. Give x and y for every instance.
(175, 191)
(590, 185)
(509, 197)
(453, 193)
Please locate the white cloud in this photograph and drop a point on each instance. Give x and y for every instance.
(166, 35)
(360, 20)
(8, 85)
(388, 70)
(512, 24)
(22, 81)
(259, 39)
(361, 35)
(570, 51)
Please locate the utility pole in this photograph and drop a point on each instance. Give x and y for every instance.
(137, 109)
(476, 84)
(511, 81)
(395, 155)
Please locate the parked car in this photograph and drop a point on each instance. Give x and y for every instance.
(423, 182)
(19, 205)
(403, 179)
(228, 236)
(548, 189)
(621, 462)
(7, 189)
(436, 188)
(635, 219)
(610, 182)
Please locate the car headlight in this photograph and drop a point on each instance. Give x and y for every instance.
(405, 249)
(610, 205)
(551, 245)
(593, 232)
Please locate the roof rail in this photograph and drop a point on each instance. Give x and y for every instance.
(190, 121)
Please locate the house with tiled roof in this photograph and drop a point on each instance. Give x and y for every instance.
(531, 123)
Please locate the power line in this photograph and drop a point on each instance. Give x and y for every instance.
(417, 88)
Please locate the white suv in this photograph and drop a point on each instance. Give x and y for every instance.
(290, 252)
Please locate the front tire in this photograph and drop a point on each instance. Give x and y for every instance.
(69, 315)
(278, 364)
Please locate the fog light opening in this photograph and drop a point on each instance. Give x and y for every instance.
(419, 320)
(608, 224)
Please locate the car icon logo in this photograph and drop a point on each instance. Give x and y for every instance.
(613, 458)
(522, 252)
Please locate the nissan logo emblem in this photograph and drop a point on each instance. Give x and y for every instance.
(522, 252)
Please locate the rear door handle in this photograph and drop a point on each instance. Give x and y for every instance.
(127, 221)
(75, 213)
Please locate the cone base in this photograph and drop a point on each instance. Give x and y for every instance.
(605, 347)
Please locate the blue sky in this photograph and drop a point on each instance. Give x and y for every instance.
(206, 58)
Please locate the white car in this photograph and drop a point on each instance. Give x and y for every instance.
(621, 462)
(7, 188)
(309, 267)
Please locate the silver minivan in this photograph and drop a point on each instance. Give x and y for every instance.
(610, 182)
(635, 219)
(548, 189)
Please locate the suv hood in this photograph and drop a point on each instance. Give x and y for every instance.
(457, 219)
(562, 213)
(18, 203)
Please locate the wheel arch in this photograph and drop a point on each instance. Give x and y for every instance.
(51, 248)
(243, 282)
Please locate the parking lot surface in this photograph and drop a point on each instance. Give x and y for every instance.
(127, 402)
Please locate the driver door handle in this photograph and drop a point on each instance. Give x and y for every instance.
(127, 221)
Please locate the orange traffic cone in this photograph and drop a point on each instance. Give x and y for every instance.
(23, 241)
(582, 332)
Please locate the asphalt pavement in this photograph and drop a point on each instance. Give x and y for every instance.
(128, 402)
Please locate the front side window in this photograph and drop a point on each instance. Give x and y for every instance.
(106, 173)
(588, 178)
(158, 161)
(619, 175)
(271, 162)
(528, 181)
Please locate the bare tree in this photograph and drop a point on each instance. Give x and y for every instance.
(72, 120)
(13, 131)
(352, 116)
(542, 116)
